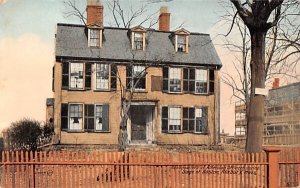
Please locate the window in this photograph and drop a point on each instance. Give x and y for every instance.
(89, 117)
(189, 80)
(194, 119)
(76, 75)
(94, 37)
(174, 79)
(201, 81)
(102, 76)
(240, 131)
(196, 81)
(138, 41)
(136, 77)
(181, 43)
(174, 119)
(113, 77)
(201, 120)
(75, 117)
(101, 117)
(188, 120)
(96, 117)
(99, 125)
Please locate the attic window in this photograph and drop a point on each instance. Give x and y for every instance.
(94, 37)
(138, 41)
(182, 40)
(181, 43)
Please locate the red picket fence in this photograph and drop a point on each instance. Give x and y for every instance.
(150, 169)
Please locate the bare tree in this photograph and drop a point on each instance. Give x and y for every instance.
(124, 19)
(127, 94)
(281, 57)
(260, 16)
(121, 18)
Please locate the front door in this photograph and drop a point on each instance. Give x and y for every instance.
(138, 122)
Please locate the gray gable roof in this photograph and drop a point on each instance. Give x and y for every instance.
(71, 42)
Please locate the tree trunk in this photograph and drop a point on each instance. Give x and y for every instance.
(123, 135)
(255, 120)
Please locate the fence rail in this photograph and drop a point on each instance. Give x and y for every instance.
(150, 169)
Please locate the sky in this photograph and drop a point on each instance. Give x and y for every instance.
(27, 31)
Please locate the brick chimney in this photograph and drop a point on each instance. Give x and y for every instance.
(94, 12)
(164, 19)
(275, 83)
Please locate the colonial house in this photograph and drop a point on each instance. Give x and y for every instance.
(171, 78)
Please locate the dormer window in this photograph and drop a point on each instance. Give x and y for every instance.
(138, 41)
(138, 34)
(94, 37)
(182, 40)
(181, 43)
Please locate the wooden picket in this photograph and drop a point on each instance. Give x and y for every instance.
(147, 169)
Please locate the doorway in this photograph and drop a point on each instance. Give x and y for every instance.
(141, 117)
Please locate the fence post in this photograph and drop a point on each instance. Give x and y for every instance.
(273, 166)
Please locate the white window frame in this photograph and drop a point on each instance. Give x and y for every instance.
(240, 131)
(95, 118)
(69, 117)
(179, 72)
(201, 79)
(99, 42)
(185, 43)
(138, 38)
(71, 78)
(199, 114)
(139, 69)
(101, 80)
(177, 119)
(133, 40)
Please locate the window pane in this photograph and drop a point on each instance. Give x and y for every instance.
(75, 116)
(174, 119)
(98, 119)
(201, 75)
(201, 120)
(138, 77)
(76, 75)
(138, 41)
(102, 76)
(181, 43)
(175, 79)
(201, 81)
(94, 37)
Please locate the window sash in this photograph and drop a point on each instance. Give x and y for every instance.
(102, 76)
(181, 43)
(76, 75)
(94, 37)
(175, 77)
(75, 117)
(136, 77)
(98, 118)
(240, 131)
(174, 119)
(201, 81)
(201, 120)
(188, 119)
(138, 41)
